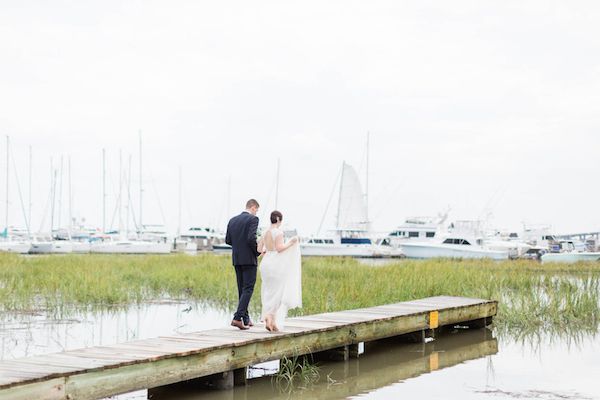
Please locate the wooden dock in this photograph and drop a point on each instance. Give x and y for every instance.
(223, 354)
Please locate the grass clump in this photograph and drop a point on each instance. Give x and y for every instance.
(296, 373)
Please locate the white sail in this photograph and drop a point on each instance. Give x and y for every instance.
(352, 206)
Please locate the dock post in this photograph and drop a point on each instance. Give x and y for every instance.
(353, 350)
(240, 376)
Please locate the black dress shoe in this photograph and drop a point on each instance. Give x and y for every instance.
(239, 324)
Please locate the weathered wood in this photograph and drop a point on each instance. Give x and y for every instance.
(104, 371)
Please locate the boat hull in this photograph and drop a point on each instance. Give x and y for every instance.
(429, 250)
(315, 250)
(131, 247)
(15, 247)
(570, 257)
(51, 247)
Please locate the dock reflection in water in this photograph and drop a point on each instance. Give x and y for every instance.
(383, 363)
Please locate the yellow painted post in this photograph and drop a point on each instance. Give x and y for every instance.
(434, 319)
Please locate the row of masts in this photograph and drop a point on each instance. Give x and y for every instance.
(57, 179)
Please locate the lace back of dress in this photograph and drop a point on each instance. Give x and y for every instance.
(270, 236)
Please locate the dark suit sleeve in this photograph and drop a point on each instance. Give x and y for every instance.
(253, 227)
(228, 235)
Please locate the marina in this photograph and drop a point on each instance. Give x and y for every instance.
(299, 200)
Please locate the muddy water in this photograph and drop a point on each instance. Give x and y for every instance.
(463, 364)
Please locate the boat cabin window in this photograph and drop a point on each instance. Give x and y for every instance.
(413, 234)
(429, 234)
(328, 241)
(318, 241)
(457, 241)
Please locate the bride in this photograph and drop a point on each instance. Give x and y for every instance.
(280, 273)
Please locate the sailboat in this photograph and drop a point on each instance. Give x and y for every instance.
(351, 236)
(58, 241)
(8, 243)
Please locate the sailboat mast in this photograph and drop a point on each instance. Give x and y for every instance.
(228, 198)
(367, 184)
(30, 175)
(141, 185)
(179, 210)
(60, 192)
(7, 178)
(127, 202)
(337, 218)
(70, 197)
(120, 201)
(277, 185)
(53, 191)
(103, 190)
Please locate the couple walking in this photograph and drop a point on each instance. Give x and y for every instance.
(279, 268)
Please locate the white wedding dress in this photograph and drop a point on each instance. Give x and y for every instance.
(281, 276)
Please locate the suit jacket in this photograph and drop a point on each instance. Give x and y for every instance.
(241, 236)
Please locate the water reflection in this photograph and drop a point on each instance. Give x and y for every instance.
(23, 335)
(382, 364)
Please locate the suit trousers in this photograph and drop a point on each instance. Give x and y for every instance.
(246, 278)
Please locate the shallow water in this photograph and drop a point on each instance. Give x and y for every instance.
(467, 364)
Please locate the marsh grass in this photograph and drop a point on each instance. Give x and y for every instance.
(532, 297)
(295, 373)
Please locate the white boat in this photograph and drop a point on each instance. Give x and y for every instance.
(422, 229)
(352, 237)
(452, 246)
(51, 247)
(344, 243)
(81, 247)
(571, 257)
(130, 247)
(569, 251)
(14, 246)
(508, 241)
(205, 238)
(184, 246)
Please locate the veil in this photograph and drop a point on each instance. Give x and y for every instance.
(292, 292)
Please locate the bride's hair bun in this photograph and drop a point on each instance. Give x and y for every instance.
(276, 217)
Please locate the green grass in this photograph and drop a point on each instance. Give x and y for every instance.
(532, 297)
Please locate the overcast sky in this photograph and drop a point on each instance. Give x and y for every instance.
(489, 108)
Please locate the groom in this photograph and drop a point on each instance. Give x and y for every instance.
(241, 236)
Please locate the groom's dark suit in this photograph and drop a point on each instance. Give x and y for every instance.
(241, 236)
